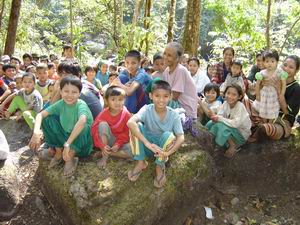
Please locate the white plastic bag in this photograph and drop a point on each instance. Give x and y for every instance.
(4, 148)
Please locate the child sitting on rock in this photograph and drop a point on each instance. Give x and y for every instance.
(28, 100)
(157, 132)
(110, 131)
(66, 127)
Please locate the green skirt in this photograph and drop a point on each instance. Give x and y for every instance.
(56, 136)
(222, 133)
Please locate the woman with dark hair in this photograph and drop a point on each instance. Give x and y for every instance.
(290, 105)
(223, 68)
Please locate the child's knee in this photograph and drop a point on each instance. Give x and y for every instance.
(103, 128)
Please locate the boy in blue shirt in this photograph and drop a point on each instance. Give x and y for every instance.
(156, 132)
(133, 80)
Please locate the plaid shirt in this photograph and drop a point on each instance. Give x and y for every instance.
(220, 72)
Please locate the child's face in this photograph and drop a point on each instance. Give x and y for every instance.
(158, 65)
(19, 84)
(27, 61)
(51, 71)
(28, 84)
(270, 63)
(132, 64)
(211, 71)
(91, 74)
(259, 62)
(70, 94)
(103, 68)
(68, 53)
(10, 73)
(210, 96)
(235, 70)
(232, 96)
(111, 78)
(42, 75)
(160, 98)
(116, 103)
(193, 67)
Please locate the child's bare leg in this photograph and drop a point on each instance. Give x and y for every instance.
(103, 161)
(231, 150)
(71, 163)
(120, 154)
(56, 160)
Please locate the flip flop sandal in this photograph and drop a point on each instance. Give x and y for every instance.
(54, 162)
(134, 176)
(70, 167)
(161, 181)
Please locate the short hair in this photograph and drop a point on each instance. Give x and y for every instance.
(114, 91)
(41, 66)
(113, 67)
(27, 74)
(161, 84)
(194, 59)
(157, 56)
(113, 74)
(295, 59)
(71, 79)
(68, 68)
(50, 65)
(121, 62)
(19, 76)
(15, 58)
(133, 53)
(8, 66)
(212, 86)
(238, 88)
(66, 47)
(230, 49)
(27, 55)
(89, 68)
(271, 54)
(178, 48)
(51, 84)
(259, 54)
(237, 63)
(30, 67)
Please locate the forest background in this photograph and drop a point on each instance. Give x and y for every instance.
(99, 29)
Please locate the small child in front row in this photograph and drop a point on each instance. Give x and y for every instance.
(66, 126)
(231, 125)
(235, 77)
(210, 104)
(28, 100)
(110, 131)
(156, 132)
(267, 103)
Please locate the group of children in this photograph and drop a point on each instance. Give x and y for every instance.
(139, 119)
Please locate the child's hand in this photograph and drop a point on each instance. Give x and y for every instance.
(163, 155)
(115, 148)
(214, 118)
(116, 82)
(106, 150)
(153, 147)
(35, 142)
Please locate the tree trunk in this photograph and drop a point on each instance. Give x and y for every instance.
(190, 41)
(71, 22)
(172, 11)
(137, 9)
(268, 24)
(118, 21)
(12, 27)
(146, 25)
(2, 12)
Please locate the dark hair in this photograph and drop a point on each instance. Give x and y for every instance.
(238, 63)
(27, 74)
(41, 66)
(161, 84)
(157, 56)
(113, 74)
(71, 79)
(259, 54)
(50, 65)
(212, 86)
(149, 69)
(66, 47)
(89, 68)
(121, 62)
(27, 55)
(114, 91)
(30, 67)
(194, 59)
(51, 84)
(113, 67)
(7, 66)
(271, 54)
(238, 88)
(229, 48)
(134, 53)
(295, 59)
(69, 68)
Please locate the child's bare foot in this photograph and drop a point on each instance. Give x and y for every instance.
(70, 167)
(160, 179)
(102, 162)
(57, 159)
(134, 174)
(230, 152)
